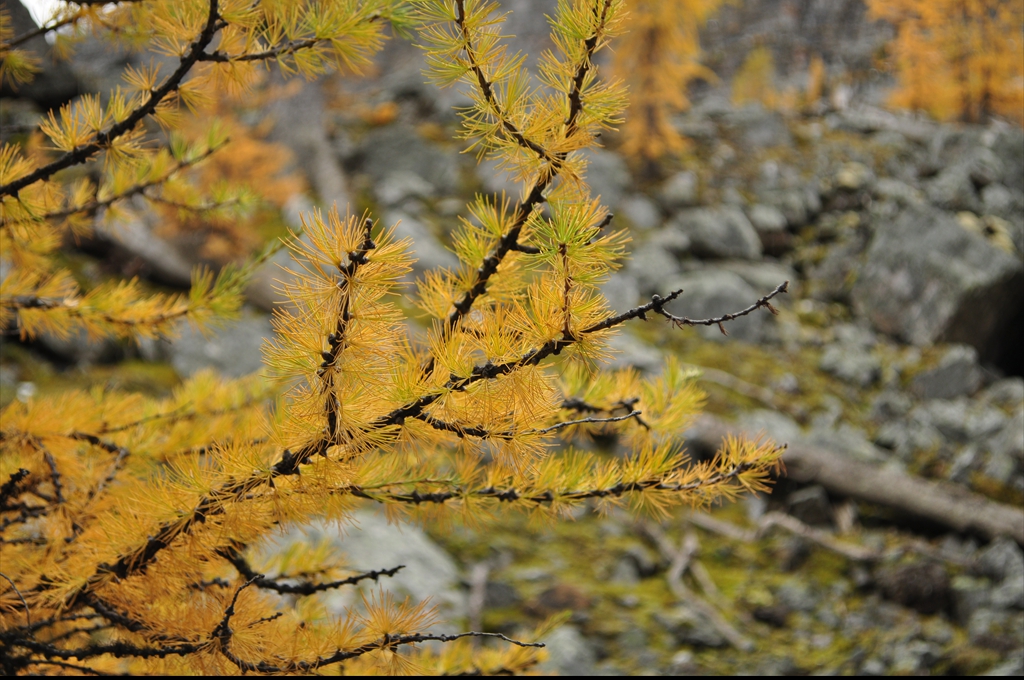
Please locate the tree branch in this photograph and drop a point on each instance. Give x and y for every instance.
(82, 153)
(232, 555)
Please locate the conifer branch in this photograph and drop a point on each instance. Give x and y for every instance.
(585, 421)
(14, 586)
(10, 487)
(337, 340)
(70, 666)
(234, 556)
(222, 633)
(387, 642)
(483, 433)
(58, 23)
(487, 89)
(510, 240)
(538, 497)
(93, 206)
(83, 152)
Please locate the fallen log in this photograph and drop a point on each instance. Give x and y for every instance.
(946, 503)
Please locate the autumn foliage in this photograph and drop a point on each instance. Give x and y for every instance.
(957, 59)
(128, 525)
(659, 56)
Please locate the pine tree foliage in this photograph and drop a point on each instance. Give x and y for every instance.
(130, 527)
(957, 59)
(660, 55)
(755, 80)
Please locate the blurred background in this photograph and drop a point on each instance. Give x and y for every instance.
(870, 153)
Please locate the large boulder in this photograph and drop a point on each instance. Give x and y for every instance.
(926, 279)
(235, 349)
(722, 232)
(394, 149)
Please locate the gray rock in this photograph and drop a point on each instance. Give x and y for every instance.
(851, 364)
(300, 123)
(915, 657)
(849, 441)
(854, 176)
(723, 232)
(796, 205)
(948, 417)
(1011, 668)
(652, 266)
(569, 653)
(810, 506)
(1007, 143)
(672, 240)
(398, 186)
(889, 405)
(986, 622)
(694, 127)
(370, 543)
(135, 232)
(689, 627)
(985, 167)
(1001, 559)
(499, 595)
(641, 212)
(764, 277)
(833, 278)
(398, 148)
(796, 594)
(926, 279)
(953, 189)
(1006, 392)
(607, 175)
(766, 217)
(908, 437)
(82, 351)
(888, 189)
(630, 351)
(679, 191)
(780, 427)
(957, 374)
(622, 292)
(759, 128)
(1009, 442)
(996, 199)
(871, 119)
(495, 180)
(969, 595)
(428, 252)
(710, 293)
(234, 350)
(1010, 593)
(983, 421)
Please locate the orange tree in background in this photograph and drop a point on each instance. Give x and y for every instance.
(957, 59)
(658, 56)
(129, 525)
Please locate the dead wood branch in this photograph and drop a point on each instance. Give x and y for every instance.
(948, 504)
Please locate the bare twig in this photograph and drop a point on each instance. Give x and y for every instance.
(679, 562)
(233, 555)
